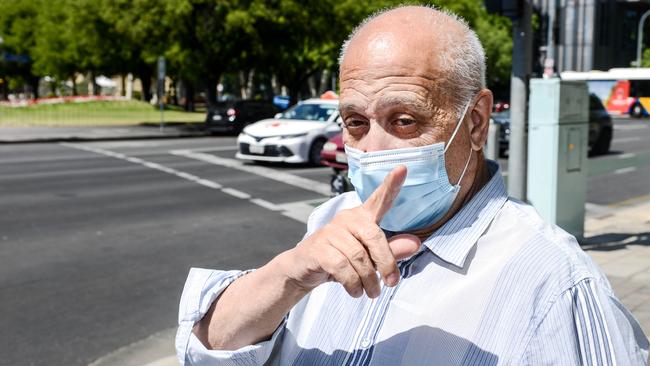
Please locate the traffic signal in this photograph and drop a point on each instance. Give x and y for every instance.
(509, 8)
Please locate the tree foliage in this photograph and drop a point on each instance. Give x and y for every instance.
(204, 40)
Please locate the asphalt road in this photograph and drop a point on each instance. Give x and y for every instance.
(623, 175)
(96, 238)
(94, 249)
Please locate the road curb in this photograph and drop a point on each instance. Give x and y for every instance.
(92, 139)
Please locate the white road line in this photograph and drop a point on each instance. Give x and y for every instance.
(188, 176)
(216, 148)
(627, 156)
(629, 169)
(625, 139)
(266, 204)
(209, 183)
(152, 165)
(134, 160)
(286, 178)
(298, 211)
(630, 127)
(236, 193)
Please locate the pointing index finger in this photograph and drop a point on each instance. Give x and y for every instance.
(382, 198)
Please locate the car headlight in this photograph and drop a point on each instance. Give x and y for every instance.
(292, 136)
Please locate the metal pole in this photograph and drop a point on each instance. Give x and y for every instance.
(639, 38)
(521, 69)
(493, 147)
(550, 34)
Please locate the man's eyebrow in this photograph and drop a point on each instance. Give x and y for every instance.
(395, 100)
(350, 107)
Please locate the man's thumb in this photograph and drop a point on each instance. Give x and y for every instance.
(404, 245)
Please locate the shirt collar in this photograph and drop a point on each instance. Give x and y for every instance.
(453, 241)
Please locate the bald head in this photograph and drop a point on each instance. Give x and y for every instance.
(420, 39)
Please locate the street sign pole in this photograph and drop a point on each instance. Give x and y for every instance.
(521, 70)
(161, 90)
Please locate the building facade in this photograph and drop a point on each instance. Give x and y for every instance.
(584, 35)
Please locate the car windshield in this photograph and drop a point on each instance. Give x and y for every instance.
(311, 112)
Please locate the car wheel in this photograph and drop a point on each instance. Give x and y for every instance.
(637, 111)
(314, 151)
(602, 144)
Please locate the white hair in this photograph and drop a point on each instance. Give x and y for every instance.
(462, 61)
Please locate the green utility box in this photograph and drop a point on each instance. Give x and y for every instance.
(558, 128)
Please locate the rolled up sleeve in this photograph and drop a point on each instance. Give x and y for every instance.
(202, 287)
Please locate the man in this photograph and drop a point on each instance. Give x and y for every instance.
(428, 262)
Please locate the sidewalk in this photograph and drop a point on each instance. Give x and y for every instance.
(99, 133)
(618, 239)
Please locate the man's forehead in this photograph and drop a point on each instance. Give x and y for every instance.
(413, 33)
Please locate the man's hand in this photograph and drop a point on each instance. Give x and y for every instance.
(352, 246)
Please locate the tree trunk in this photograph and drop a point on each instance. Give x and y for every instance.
(123, 91)
(276, 87)
(74, 84)
(250, 85)
(91, 84)
(95, 87)
(311, 82)
(189, 97)
(174, 92)
(294, 91)
(33, 82)
(211, 92)
(145, 80)
(243, 81)
(324, 76)
(4, 95)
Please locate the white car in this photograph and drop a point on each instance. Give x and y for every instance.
(295, 136)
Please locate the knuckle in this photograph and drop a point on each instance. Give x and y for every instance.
(358, 255)
(339, 263)
(372, 234)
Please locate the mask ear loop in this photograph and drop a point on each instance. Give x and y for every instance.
(465, 169)
(460, 122)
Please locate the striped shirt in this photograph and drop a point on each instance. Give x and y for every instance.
(495, 285)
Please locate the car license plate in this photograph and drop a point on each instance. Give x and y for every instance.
(256, 149)
(216, 117)
(341, 158)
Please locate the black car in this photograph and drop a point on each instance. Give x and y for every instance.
(233, 116)
(600, 128)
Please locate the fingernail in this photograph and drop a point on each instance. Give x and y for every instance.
(392, 279)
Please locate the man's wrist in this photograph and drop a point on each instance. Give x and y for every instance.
(284, 265)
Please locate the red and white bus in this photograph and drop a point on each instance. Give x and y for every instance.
(624, 91)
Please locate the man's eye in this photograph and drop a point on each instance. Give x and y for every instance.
(405, 122)
(352, 123)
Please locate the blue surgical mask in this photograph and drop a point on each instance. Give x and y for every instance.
(426, 194)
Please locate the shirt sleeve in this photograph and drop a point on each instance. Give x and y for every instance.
(587, 325)
(202, 287)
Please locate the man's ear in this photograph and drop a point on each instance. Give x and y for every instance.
(480, 119)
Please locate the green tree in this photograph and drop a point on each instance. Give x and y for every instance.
(142, 28)
(17, 19)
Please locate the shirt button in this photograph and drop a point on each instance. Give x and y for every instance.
(365, 343)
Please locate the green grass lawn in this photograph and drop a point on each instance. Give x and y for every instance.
(96, 113)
